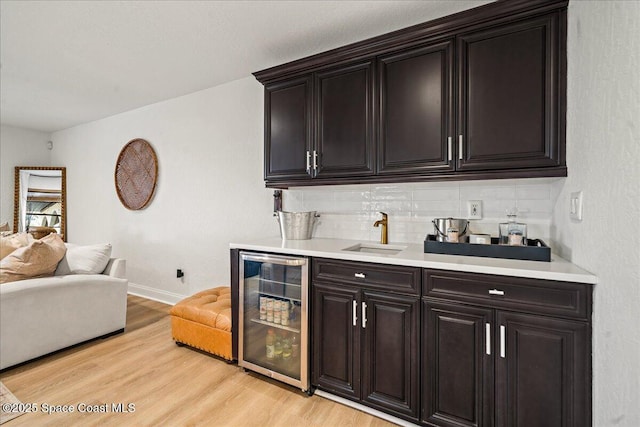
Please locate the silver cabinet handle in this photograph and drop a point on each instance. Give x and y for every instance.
(308, 161)
(315, 160)
(496, 292)
(503, 342)
(450, 140)
(360, 275)
(487, 328)
(364, 314)
(355, 314)
(460, 147)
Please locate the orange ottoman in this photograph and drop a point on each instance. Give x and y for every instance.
(203, 321)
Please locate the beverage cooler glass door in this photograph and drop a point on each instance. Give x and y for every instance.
(273, 317)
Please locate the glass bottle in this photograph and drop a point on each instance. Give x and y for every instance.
(270, 341)
(513, 233)
(295, 347)
(277, 348)
(286, 349)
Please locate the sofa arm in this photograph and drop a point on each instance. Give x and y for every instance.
(117, 267)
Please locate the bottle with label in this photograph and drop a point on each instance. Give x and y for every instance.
(277, 348)
(293, 316)
(269, 310)
(270, 341)
(276, 312)
(286, 349)
(284, 312)
(295, 347)
(263, 308)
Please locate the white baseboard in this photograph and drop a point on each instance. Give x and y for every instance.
(363, 408)
(155, 294)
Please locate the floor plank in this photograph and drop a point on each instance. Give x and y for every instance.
(166, 384)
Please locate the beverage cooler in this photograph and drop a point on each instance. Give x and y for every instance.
(273, 317)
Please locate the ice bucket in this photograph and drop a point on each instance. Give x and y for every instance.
(296, 225)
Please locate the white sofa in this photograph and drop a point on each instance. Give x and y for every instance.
(42, 315)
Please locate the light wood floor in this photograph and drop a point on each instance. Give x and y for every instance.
(169, 385)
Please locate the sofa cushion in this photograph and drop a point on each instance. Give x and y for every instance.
(89, 259)
(12, 242)
(39, 258)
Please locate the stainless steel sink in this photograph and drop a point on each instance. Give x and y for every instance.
(376, 248)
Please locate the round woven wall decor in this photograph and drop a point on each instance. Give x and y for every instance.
(136, 174)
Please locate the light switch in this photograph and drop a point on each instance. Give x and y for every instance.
(575, 206)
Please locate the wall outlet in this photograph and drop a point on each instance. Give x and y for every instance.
(474, 209)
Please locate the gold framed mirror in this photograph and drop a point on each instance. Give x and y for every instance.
(39, 201)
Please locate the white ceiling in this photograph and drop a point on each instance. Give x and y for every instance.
(63, 63)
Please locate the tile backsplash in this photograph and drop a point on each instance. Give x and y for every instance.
(349, 211)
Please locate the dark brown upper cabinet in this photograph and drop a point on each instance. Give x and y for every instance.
(320, 125)
(344, 129)
(416, 110)
(287, 126)
(480, 94)
(509, 96)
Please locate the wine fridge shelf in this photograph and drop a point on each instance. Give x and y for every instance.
(275, 325)
(277, 296)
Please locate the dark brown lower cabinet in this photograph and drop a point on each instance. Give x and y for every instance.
(474, 350)
(365, 347)
(516, 370)
(457, 374)
(493, 355)
(390, 363)
(542, 372)
(336, 340)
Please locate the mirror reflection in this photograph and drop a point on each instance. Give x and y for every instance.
(39, 201)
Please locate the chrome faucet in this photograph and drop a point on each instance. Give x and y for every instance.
(384, 233)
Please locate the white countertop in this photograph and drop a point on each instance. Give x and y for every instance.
(414, 256)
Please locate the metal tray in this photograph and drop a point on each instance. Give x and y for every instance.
(536, 250)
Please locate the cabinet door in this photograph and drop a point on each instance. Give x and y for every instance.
(509, 97)
(336, 340)
(416, 110)
(287, 129)
(543, 372)
(457, 365)
(390, 355)
(344, 134)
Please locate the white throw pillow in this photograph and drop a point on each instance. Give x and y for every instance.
(90, 259)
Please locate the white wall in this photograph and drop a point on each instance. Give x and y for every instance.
(603, 156)
(18, 147)
(210, 189)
